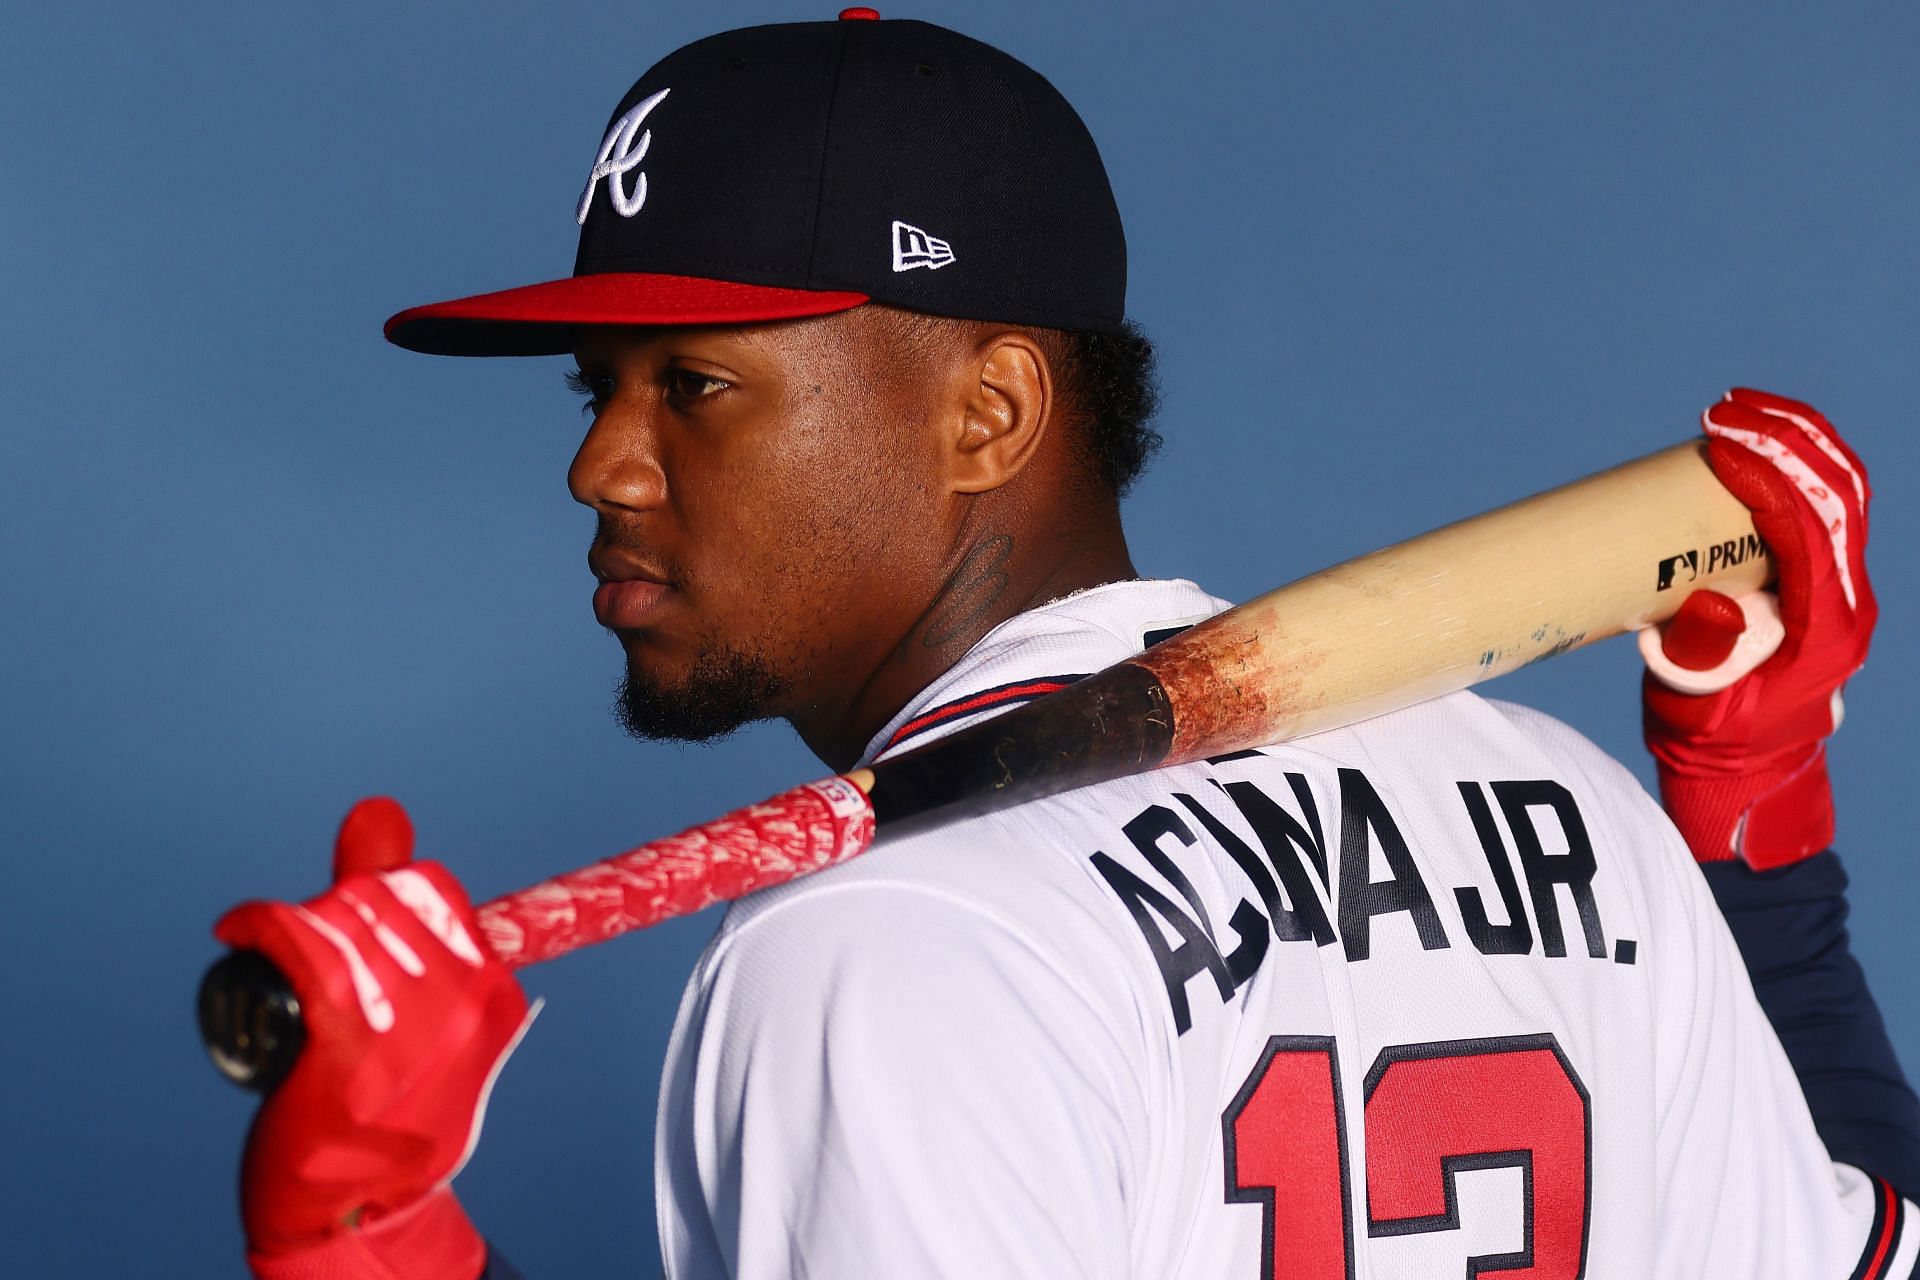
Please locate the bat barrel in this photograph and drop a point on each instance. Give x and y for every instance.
(1446, 610)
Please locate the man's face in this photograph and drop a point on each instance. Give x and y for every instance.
(753, 484)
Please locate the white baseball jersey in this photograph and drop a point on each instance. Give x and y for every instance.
(1439, 995)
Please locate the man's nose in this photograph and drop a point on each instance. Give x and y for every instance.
(618, 465)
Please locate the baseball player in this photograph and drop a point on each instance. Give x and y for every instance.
(1444, 993)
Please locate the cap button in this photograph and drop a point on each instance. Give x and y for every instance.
(860, 14)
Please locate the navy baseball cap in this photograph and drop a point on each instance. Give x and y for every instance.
(807, 168)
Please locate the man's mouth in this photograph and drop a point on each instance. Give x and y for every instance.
(629, 593)
(624, 606)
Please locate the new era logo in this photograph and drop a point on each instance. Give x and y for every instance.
(913, 247)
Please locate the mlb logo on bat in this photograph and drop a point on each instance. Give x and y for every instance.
(1670, 569)
(913, 247)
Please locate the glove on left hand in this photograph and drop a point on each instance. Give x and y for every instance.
(408, 1020)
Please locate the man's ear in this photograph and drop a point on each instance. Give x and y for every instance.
(1007, 398)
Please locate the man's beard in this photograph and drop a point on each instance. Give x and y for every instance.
(726, 689)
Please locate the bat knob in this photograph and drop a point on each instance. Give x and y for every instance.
(250, 1020)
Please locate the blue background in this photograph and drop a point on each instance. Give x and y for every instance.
(1404, 262)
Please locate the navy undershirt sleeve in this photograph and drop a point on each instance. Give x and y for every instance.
(1791, 926)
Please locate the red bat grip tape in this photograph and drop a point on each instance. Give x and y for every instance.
(762, 845)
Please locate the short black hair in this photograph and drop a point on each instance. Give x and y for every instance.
(1106, 377)
(1110, 380)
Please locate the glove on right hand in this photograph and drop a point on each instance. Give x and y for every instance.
(1743, 771)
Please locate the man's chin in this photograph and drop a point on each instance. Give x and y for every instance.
(724, 691)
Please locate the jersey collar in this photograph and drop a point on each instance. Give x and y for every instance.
(1044, 650)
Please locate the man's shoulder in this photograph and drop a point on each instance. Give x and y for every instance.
(1010, 876)
(1576, 754)
(1552, 735)
(1027, 877)
(971, 936)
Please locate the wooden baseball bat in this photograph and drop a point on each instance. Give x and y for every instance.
(1448, 609)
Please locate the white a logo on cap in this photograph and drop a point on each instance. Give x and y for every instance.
(619, 153)
(913, 247)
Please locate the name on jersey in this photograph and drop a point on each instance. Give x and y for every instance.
(1294, 872)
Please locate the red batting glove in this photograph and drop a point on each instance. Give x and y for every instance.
(1743, 770)
(408, 1021)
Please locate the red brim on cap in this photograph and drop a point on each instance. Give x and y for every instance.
(539, 319)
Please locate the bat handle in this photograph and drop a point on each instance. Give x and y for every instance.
(250, 1020)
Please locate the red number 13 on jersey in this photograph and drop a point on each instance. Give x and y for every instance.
(1432, 1111)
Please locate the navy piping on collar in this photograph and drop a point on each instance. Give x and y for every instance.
(1005, 695)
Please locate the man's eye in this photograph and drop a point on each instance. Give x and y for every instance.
(685, 384)
(595, 389)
